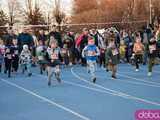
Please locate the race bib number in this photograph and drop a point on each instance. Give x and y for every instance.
(16, 52)
(40, 58)
(54, 56)
(139, 48)
(3, 51)
(152, 48)
(91, 53)
(102, 51)
(9, 56)
(64, 51)
(115, 52)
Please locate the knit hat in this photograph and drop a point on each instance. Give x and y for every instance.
(25, 47)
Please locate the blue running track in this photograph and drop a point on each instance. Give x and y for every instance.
(77, 98)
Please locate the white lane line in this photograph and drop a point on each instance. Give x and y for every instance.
(90, 88)
(137, 79)
(132, 82)
(135, 83)
(46, 100)
(154, 71)
(82, 86)
(121, 94)
(139, 83)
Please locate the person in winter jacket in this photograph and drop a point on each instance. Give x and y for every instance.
(53, 58)
(122, 51)
(26, 60)
(2, 52)
(152, 53)
(90, 53)
(16, 51)
(65, 54)
(81, 42)
(8, 60)
(112, 58)
(41, 55)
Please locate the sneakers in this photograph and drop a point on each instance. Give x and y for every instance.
(41, 71)
(49, 83)
(9, 76)
(149, 74)
(114, 77)
(57, 75)
(107, 70)
(94, 80)
(29, 74)
(70, 64)
(137, 70)
(23, 70)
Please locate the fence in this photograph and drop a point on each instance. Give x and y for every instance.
(78, 27)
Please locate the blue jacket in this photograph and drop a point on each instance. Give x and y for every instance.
(91, 52)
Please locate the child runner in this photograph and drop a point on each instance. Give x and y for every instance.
(102, 57)
(53, 57)
(112, 58)
(65, 55)
(91, 52)
(122, 51)
(1, 60)
(151, 54)
(26, 60)
(2, 52)
(41, 55)
(8, 60)
(138, 50)
(15, 51)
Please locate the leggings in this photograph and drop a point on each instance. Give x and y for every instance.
(138, 59)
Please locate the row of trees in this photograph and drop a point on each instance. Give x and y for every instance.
(31, 14)
(84, 11)
(91, 11)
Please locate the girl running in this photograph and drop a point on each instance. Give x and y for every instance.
(53, 57)
(26, 60)
(138, 50)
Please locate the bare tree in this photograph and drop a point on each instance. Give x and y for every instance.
(13, 11)
(110, 10)
(155, 10)
(33, 13)
(3, 18)
(58, 14)
(85, 11)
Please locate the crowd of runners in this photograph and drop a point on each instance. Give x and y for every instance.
(90, 48)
